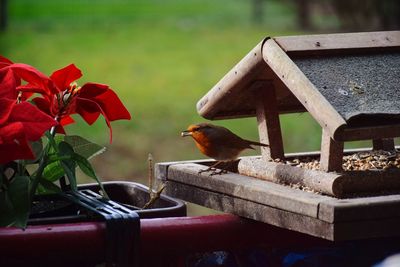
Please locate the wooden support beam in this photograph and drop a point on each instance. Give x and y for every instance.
(340, 43)
(386, 144)
(368, 133)
(269, 128)
(331, 153)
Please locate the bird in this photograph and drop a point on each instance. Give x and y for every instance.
(218, 142)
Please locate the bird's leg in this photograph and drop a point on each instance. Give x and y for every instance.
(218, 172)
(213, 169)
(210, 168)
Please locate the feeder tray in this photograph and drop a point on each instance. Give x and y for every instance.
(349, 83)
(283, 206)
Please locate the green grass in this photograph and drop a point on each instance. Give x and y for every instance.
(160, 57)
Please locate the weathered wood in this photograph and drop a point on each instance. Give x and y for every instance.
(276, 204)
(339, 43)
(301, 87)
(326, 183)
(250, 188)
(269, 128)
(367, 133)
(252, 210)
(340, 185)
(231, 97)
(383, 144)
(247, 70)
(331, 153)
(161, 168)
(238, 80)
(371, 182)
(342, 230)
(360, 209)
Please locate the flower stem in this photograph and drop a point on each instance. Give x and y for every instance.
(42, 164)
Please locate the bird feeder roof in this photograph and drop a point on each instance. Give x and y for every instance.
(350, 83)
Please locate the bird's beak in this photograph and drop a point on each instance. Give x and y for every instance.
(186, 133)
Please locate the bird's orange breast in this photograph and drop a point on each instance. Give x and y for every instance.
(203, 144)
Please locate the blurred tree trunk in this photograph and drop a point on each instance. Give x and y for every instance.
(390, 15)
(258, 12)
(364, 15)
(3, 15)
(303, 14)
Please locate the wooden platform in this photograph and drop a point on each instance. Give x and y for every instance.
(306, 212)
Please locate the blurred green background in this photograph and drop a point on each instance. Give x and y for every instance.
(162, 56)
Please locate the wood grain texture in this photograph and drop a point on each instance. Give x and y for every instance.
(270, 63)
(324, 44)
(239, 78)
(367, 133)
(276, 204)
(252, 210)
(250, 188)
(302, 88)
(360, 209)
(269, 128)
(340, 185)
(331, 153)
(161, 168)
(326, 183)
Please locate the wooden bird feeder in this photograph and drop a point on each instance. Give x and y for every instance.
(350, 84)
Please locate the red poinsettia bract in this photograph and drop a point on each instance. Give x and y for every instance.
(89, 101)
(20, 124)
(11, 75)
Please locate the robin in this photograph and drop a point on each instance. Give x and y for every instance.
(218, 143)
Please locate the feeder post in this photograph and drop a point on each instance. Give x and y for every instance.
(269, 128)
(331, 153)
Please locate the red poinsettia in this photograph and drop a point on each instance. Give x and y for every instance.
(20, 124)
(89, 101)
(11, 75)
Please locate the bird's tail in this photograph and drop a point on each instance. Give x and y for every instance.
(256, 143)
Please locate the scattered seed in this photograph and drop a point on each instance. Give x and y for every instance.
(372, 160)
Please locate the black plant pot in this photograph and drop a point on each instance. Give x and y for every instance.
(49, 209)
(135, 196)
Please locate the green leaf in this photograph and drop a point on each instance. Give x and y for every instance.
(53, 172)
(14, 203)
(59, 138)
(6, 209)
(68, 165)
(69, 168)
(87, 169)
(37, 148)
(19, 196)
(47, 187)
(84, 147)
(85, 166)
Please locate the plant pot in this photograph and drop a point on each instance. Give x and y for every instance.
(69, 235)
(135, 195)
(129, 194)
